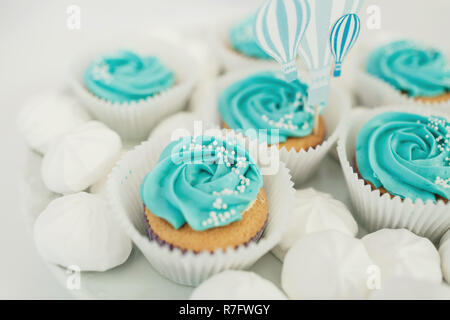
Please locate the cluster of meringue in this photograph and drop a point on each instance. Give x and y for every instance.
(76, 228)
(324, 260)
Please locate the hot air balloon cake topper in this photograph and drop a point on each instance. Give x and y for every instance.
(279, 28)
(343, 36)
(314, 49)
(285, 28)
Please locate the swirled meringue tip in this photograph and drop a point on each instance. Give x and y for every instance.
(407, 154)
(203, 181)
(419, 71)
(124, 76)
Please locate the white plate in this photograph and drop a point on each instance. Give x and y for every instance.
(136, 279)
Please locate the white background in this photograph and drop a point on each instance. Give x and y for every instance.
(36, 48)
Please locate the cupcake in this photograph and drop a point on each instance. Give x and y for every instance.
(200, 205)
(260, 104)
(235, 44)
(265, 101)
(406, 155)
(132, 90)
(125, 76)
(205, 193)
(397, 167)
(242, 39)
(405, 72)
(419, 72)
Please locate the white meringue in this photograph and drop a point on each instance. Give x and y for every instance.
(80, 158)
(444, 251)
(47, 116)
(404, 288)
(315, 211)
(181, 124)
(237, 285)
(401, 253)
(80, 230)
(326, 265)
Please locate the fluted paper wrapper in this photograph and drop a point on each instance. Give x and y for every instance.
(375, 92)
(303, 164)
(189, 268)
(375, 211)
(134, 120)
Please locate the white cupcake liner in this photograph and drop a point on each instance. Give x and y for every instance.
(190, 268)
(303, 164)
(374, 92)
(374, 212)
(134, 120)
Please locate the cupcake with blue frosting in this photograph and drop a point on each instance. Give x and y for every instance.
(201, 204)
(259, 103)
(265, 106)
(133, 89)
(125, 76)
(242, 39)
(406, 155)
(420, 72)
(396, 161)
(204, 194)
(236, 46)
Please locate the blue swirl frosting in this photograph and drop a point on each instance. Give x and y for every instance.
(420, 72)
(204, 181)
(407, 154)
(124, 76)
(265, 100)
(242, 39)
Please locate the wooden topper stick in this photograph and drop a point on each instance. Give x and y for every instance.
(316, 121)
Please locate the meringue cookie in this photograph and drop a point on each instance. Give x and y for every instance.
(79, 229)
(237, 285)
(326, 265)
(179, 125)
(47, 116)
(33, 189)
(399, 252)
(315, 211)
(404, 288)
(444, 251)
(80, 158)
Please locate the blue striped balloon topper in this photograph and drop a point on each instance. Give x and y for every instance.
(279, 28)
(343, 36)
(314, 49)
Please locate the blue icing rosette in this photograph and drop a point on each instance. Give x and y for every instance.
(418, 71)
(407, 154)
(125, 76)
(203, 181)
(265, 100)
(242, 39)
